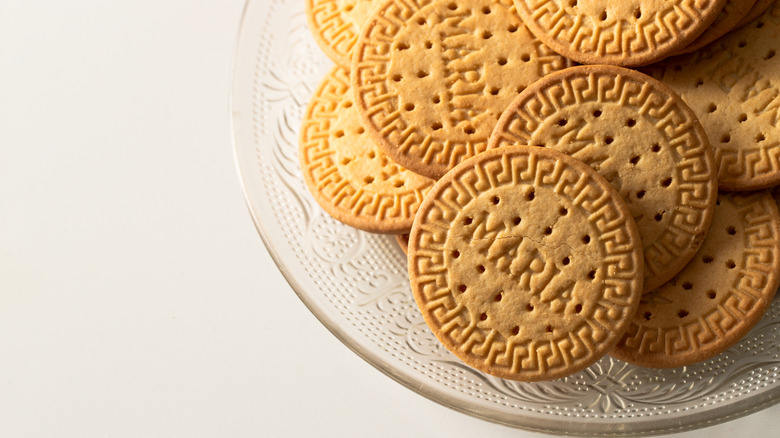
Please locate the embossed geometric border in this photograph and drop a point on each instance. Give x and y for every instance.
(259, 166)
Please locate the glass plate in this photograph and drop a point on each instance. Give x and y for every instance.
(356, 282)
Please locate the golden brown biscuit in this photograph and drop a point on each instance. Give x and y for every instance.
(403, 242)
(719, 296)
(525, 263)
(732, 86)
(349, 177)
(758, 8)
(431, 79)
(627, 33)
(730, 16)
(641, 137)
(335, 25)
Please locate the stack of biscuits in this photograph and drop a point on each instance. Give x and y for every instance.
(569, 179)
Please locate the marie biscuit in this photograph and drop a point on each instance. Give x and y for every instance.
(431, 78)
(348, 176)
(721, 294)
(525, 263)
(641, 137)
(627, 33)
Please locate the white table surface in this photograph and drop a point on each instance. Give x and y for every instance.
(137, 297)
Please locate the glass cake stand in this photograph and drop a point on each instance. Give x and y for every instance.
(356, 284)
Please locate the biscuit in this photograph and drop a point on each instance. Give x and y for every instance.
(348, 176)
(430, 81)
(719, 296)
(335, 24)
(403, 242)
(758, 8)
(732, 86)
(627, 33)
(525, 263)
(641, 137)
(731, 15)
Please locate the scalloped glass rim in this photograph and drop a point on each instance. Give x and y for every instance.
(256, 157)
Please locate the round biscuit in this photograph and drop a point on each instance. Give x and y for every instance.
(403, 242)
(719, 296)
(431, 78)
(628, 33)
(758, 8)
(348, 176)
(730, 16)
(525, 263)
(732, 86)
(335, 25)
(639, 135)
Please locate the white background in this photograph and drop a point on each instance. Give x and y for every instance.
(136, 297)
